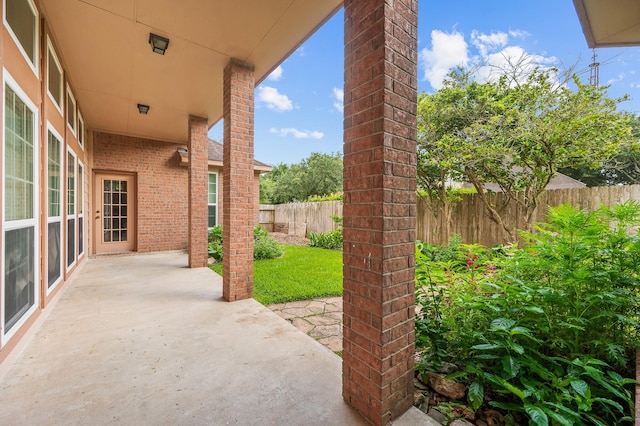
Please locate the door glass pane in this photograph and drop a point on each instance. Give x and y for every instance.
(115, 211)
(81, 235)
(19, 294)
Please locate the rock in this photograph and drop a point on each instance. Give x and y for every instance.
(447, 368)
(449, 388)
(417, 383)
(460, 422)
(481, 423)
(494, 418)
(418, 398)
(437, 415)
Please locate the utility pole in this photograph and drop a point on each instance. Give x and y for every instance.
(594, 70)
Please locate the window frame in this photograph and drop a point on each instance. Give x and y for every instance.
(73, 215)
(36, 51)
(51, 51)
(81, 130)
(73, 129)
(80, 185)
(216, 203)
(6, 335)
(59, 218)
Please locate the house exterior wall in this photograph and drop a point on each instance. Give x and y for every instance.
(162, 197)
(28, 80)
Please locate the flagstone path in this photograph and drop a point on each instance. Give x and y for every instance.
(319, 318)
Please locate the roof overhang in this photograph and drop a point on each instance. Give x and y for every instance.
(104, 47)
(610, 23)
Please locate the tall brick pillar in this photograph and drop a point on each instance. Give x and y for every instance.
(238, 182)
(379, 206)
(198, 181)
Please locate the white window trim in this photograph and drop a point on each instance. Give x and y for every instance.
(51, 219)
(51, 50)
(81, 131)
(8, 80)
(33, 66)
(217, 186)
(80, 211)
(73, 129)
(73, 216)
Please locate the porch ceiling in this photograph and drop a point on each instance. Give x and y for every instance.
(609, 23)
(104, 46)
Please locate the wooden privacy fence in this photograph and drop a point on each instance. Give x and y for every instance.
(469, 217)
(300, 218)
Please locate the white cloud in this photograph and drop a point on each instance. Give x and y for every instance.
(298, 134)
(274, 100)
(276, 74)
(488, 42)
(510, 59)
(495, 55)
(338, 95)
(447, 51)
(616, 79)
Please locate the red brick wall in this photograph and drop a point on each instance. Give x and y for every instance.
(379, 206)
(161, 183)
(197, 190)
(239, 181)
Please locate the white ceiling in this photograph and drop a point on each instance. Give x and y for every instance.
(609, 23)
(104, 47)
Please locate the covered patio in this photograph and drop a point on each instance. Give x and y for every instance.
(143, 339)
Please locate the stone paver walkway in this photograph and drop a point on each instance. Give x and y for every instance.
(319, 318)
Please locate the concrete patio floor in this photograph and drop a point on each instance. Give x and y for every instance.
(145, 340)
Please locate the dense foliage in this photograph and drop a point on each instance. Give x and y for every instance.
(621, 168)
(264, 246)
(546, 333)
(317, 175)
(329, 240)
(515, 132)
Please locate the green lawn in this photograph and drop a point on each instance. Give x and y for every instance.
(302, 273)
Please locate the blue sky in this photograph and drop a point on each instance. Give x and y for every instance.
(298, 109)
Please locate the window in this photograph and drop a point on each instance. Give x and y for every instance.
(71, 111)
(80, 131)
(21, 17)
(20, 206)
(71, 208)
(80, 209)
(54, 77)
(213, 200)
(54, 212)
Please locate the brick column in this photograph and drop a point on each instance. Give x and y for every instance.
(198, 181)
(238, 182)
(379, 206)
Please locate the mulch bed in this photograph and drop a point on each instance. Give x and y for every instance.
(291, 240)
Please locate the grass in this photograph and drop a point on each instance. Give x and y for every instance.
(302, 273)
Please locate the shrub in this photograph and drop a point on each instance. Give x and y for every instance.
(264, 246)
(336, 196)
(331, 240)
(549, 330)
(215, 243)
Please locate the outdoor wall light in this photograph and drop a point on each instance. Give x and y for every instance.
(158, 44)
(144, 109)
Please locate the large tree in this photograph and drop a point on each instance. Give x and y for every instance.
(319, 174)
(515, 131)
(622, 168)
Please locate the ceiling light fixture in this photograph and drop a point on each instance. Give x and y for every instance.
(158, 44)
(144, 109)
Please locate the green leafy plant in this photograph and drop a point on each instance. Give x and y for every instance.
(329, 240)
(264, 246)
(549, 330)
